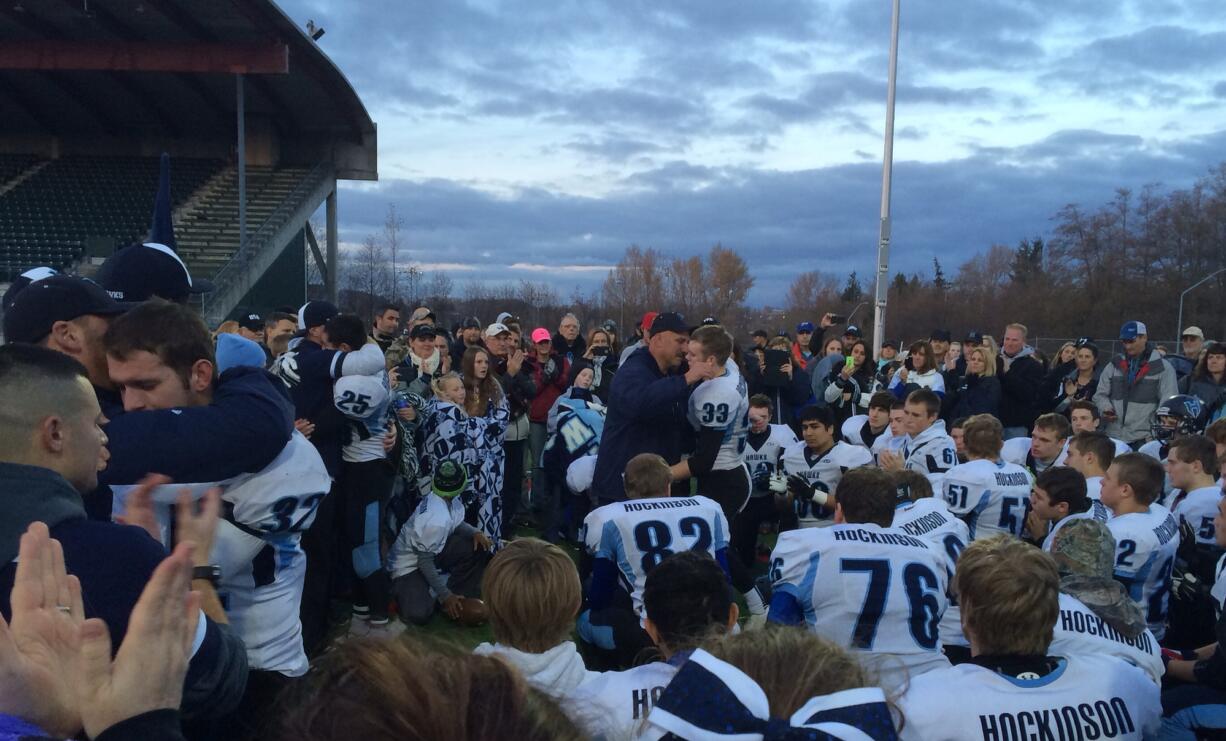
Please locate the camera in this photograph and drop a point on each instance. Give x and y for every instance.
(600, 351)
(837, 319)
(908, 364)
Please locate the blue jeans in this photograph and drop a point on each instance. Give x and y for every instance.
(1189, 708)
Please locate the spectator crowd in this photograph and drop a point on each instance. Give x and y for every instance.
(247, 532)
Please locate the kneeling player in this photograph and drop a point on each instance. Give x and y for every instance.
(626, 540)
(864, 584)
(814, 467)
(990, 495)
(1009, 594)
(437, 554)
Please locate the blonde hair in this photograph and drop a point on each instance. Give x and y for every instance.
(983, 436)
(791, 666)
(438, 383)
(989, 360)
(227, 327)
(1019, 327)
(533, 594)
(1009, 592)
(647, 475)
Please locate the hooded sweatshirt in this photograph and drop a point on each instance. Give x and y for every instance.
(1021, 378)
(556, 672)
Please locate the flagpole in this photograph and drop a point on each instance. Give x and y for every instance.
(887, 171)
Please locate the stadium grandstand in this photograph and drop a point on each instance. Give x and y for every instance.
(239, 96)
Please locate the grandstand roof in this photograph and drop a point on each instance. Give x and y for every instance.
(124, 68)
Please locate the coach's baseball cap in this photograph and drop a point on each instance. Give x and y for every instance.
(804, 327)
(496, 329)
(669, 321)
(60, 298)
(450, 478)
(422, 331)
(32, 275)
(315, 313)
(940, 335)
(1196, 332)
(540, 334)
(472, 322)
(141, 271)
(1132, 329)
(252, 322)
(852, 331)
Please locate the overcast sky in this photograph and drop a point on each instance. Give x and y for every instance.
(550, 135)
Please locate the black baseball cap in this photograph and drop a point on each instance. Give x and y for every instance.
(315, 313)
(252, 322)
(60, 298)
(422, 331)
(26, 278)
(140, 271)
(669, 321)
(974, 338)
(472, 322)
(852, 331)
(941, 335)
(890, 343)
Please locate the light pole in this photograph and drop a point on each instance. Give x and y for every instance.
(887, 168)
(1179, 328)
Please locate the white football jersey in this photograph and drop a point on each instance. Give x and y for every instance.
(1145, 545)
(258, 549)
(887, 441)
(1079, 632)
(993, 497)
(1017, 450)
(766, 459)
(1097, 511)
(1085, 697)
(930, 519)
(612, 705)
(1094, 488)
(364, 400)
(426, 531)
(875, 590)
(857, 431)
(932, 453)
(637, 534)
(823, 472)
(723, 403)
(1198, 508)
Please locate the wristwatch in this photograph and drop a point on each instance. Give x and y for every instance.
(210, 573)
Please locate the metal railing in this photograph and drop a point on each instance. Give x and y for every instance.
(238, 266)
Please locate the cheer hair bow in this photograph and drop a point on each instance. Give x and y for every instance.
(712, 700)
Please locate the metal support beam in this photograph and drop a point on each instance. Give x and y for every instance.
(146, 56)
(330, 279)
(242, 164)
(319, 256)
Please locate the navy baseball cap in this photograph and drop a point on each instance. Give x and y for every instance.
(1132, 329)
(316, 313)
(853, 331)
(30, 276)
(252, 322)
(890, 343)
(669, 321)
(975, 338)
(141, 271)
(60, 298)
(422, 331)
(804, 327)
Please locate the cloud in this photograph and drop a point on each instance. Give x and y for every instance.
(830, 93)
(1158, 49)
(782, 222)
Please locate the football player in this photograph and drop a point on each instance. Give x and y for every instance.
(863, 584)
(990, 495)
(814, 467)
(1047, 445)
(927, 449)
(626, 540)
(1146, 534)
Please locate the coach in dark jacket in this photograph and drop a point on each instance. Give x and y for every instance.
(647, 405)
(1021, 375)
(47, 459)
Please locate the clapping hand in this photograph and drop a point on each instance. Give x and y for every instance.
(890, 460)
